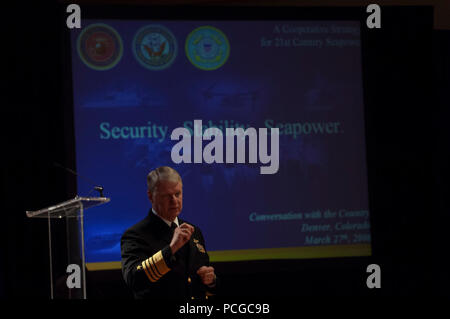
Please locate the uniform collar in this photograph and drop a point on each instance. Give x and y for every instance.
(165, 220)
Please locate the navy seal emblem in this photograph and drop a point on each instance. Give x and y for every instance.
(155, 47)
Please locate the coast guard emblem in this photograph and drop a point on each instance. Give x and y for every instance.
(207, 48)
(154, 47)
(99, 46)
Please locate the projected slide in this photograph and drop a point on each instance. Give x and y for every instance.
(135, 82)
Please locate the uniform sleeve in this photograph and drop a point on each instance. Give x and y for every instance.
(203, 245)
(214, 288)
(139, 269)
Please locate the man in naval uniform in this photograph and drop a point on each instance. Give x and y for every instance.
(162, 255)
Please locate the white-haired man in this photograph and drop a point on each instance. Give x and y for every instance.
(162, 255)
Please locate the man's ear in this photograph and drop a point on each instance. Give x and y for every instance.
(150, 197)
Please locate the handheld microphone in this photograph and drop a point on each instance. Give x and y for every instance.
(97, 188)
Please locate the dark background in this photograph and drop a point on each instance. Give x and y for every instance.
(406, 78)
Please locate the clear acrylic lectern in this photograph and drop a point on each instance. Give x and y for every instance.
(67, 260)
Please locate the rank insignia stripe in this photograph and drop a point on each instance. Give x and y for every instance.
(154, 267)
(150, 267)
(160, 263)
(147, 272)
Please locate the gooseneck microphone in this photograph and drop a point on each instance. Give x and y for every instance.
(97, 188)
(100, 190)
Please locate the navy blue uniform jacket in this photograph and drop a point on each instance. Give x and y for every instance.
(151, 270)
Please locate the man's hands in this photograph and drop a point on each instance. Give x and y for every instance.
(207, 275)
(181, 236)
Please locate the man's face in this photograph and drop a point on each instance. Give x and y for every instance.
(168, 199)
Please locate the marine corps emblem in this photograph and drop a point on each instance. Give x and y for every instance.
(154, 47)
(207, 48)
(99, 46)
